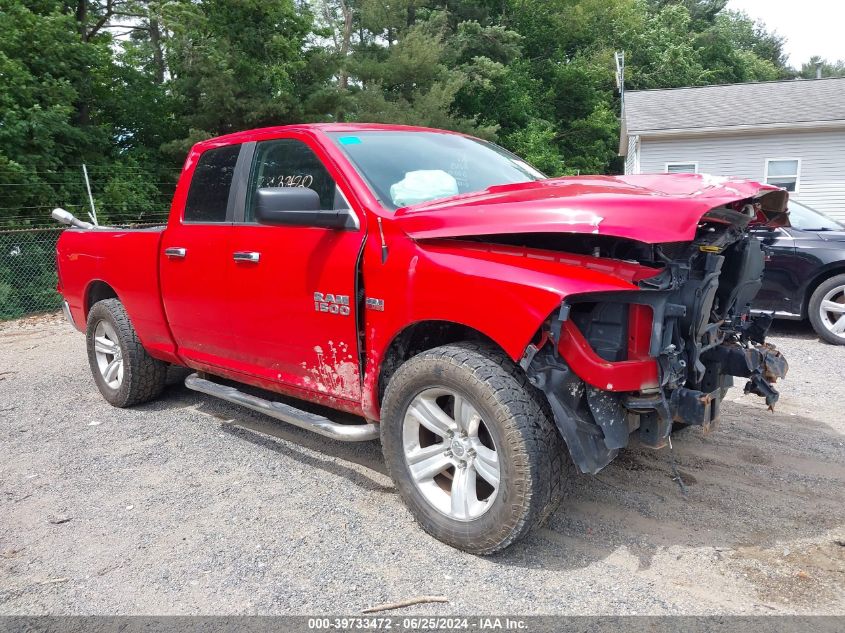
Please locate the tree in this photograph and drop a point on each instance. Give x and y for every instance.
(817, 65)
(234, 65)
(46, 119)
(126, 86)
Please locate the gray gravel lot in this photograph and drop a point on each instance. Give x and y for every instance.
(170, 508)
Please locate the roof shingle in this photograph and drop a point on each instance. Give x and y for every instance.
(724, 106)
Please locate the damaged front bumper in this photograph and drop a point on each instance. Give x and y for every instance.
(762, 364)
(612, 364)
(597, 420)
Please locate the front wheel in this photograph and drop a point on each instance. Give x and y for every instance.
(471, 447)
(827, 310)
(125, 374)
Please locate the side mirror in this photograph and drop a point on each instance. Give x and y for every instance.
(298, 206)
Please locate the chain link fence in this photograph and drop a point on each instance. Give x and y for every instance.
(124, 195)
(28, 272)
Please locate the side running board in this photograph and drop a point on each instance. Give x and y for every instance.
(286, 413)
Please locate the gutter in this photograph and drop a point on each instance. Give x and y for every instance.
(741, 129)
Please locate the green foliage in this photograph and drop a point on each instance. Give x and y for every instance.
(45, 73)
(64, 101)
(827, 69)
(127, 86)
(536, 143)
(235, 64)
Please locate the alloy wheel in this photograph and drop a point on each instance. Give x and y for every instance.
(450, 454)
(108, 354)
(832, 311)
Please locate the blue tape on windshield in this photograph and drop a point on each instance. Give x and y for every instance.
(349, 140)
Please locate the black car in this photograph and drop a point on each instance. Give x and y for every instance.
(805, 272)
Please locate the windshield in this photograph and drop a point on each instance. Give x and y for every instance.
(404, 168)
(807, 219)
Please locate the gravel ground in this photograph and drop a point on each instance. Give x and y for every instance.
(184, 506)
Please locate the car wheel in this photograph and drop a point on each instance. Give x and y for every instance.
(125, 374)
(471, 447)
(827, 310)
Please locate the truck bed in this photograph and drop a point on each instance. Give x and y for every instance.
(116, 262)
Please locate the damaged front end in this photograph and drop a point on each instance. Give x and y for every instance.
(639, 361)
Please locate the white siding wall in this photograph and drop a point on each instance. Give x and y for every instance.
(822, 154)
(632, 159)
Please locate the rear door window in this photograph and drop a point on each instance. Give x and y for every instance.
(208, 197)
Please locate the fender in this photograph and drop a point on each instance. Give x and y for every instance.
(504, 292)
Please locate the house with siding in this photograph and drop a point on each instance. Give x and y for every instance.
(786, 133)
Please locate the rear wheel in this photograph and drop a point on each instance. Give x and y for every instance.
(471, 447)
(125, 374)
(827, 310)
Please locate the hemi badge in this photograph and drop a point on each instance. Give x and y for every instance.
(375, 304)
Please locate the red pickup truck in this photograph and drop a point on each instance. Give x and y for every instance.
(481, 319)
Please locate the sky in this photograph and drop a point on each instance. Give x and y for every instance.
(811, 27)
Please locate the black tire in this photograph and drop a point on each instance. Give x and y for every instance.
(815, 312)
(143, 376)
(533, 455)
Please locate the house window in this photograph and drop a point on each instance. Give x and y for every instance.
(681, 168)
(783, 172)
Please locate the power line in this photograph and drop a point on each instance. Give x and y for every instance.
(55, 228)
(101, 167)
(69, 182)
(107, 212)
(109, 217)
(74, 205)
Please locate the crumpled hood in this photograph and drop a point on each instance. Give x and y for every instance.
(648, 208)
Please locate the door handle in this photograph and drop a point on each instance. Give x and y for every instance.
(246, 256)
(175, 252)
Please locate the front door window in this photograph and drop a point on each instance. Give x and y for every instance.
(291, 163)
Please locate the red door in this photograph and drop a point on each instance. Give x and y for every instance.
(294, 287)
(194, 264)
